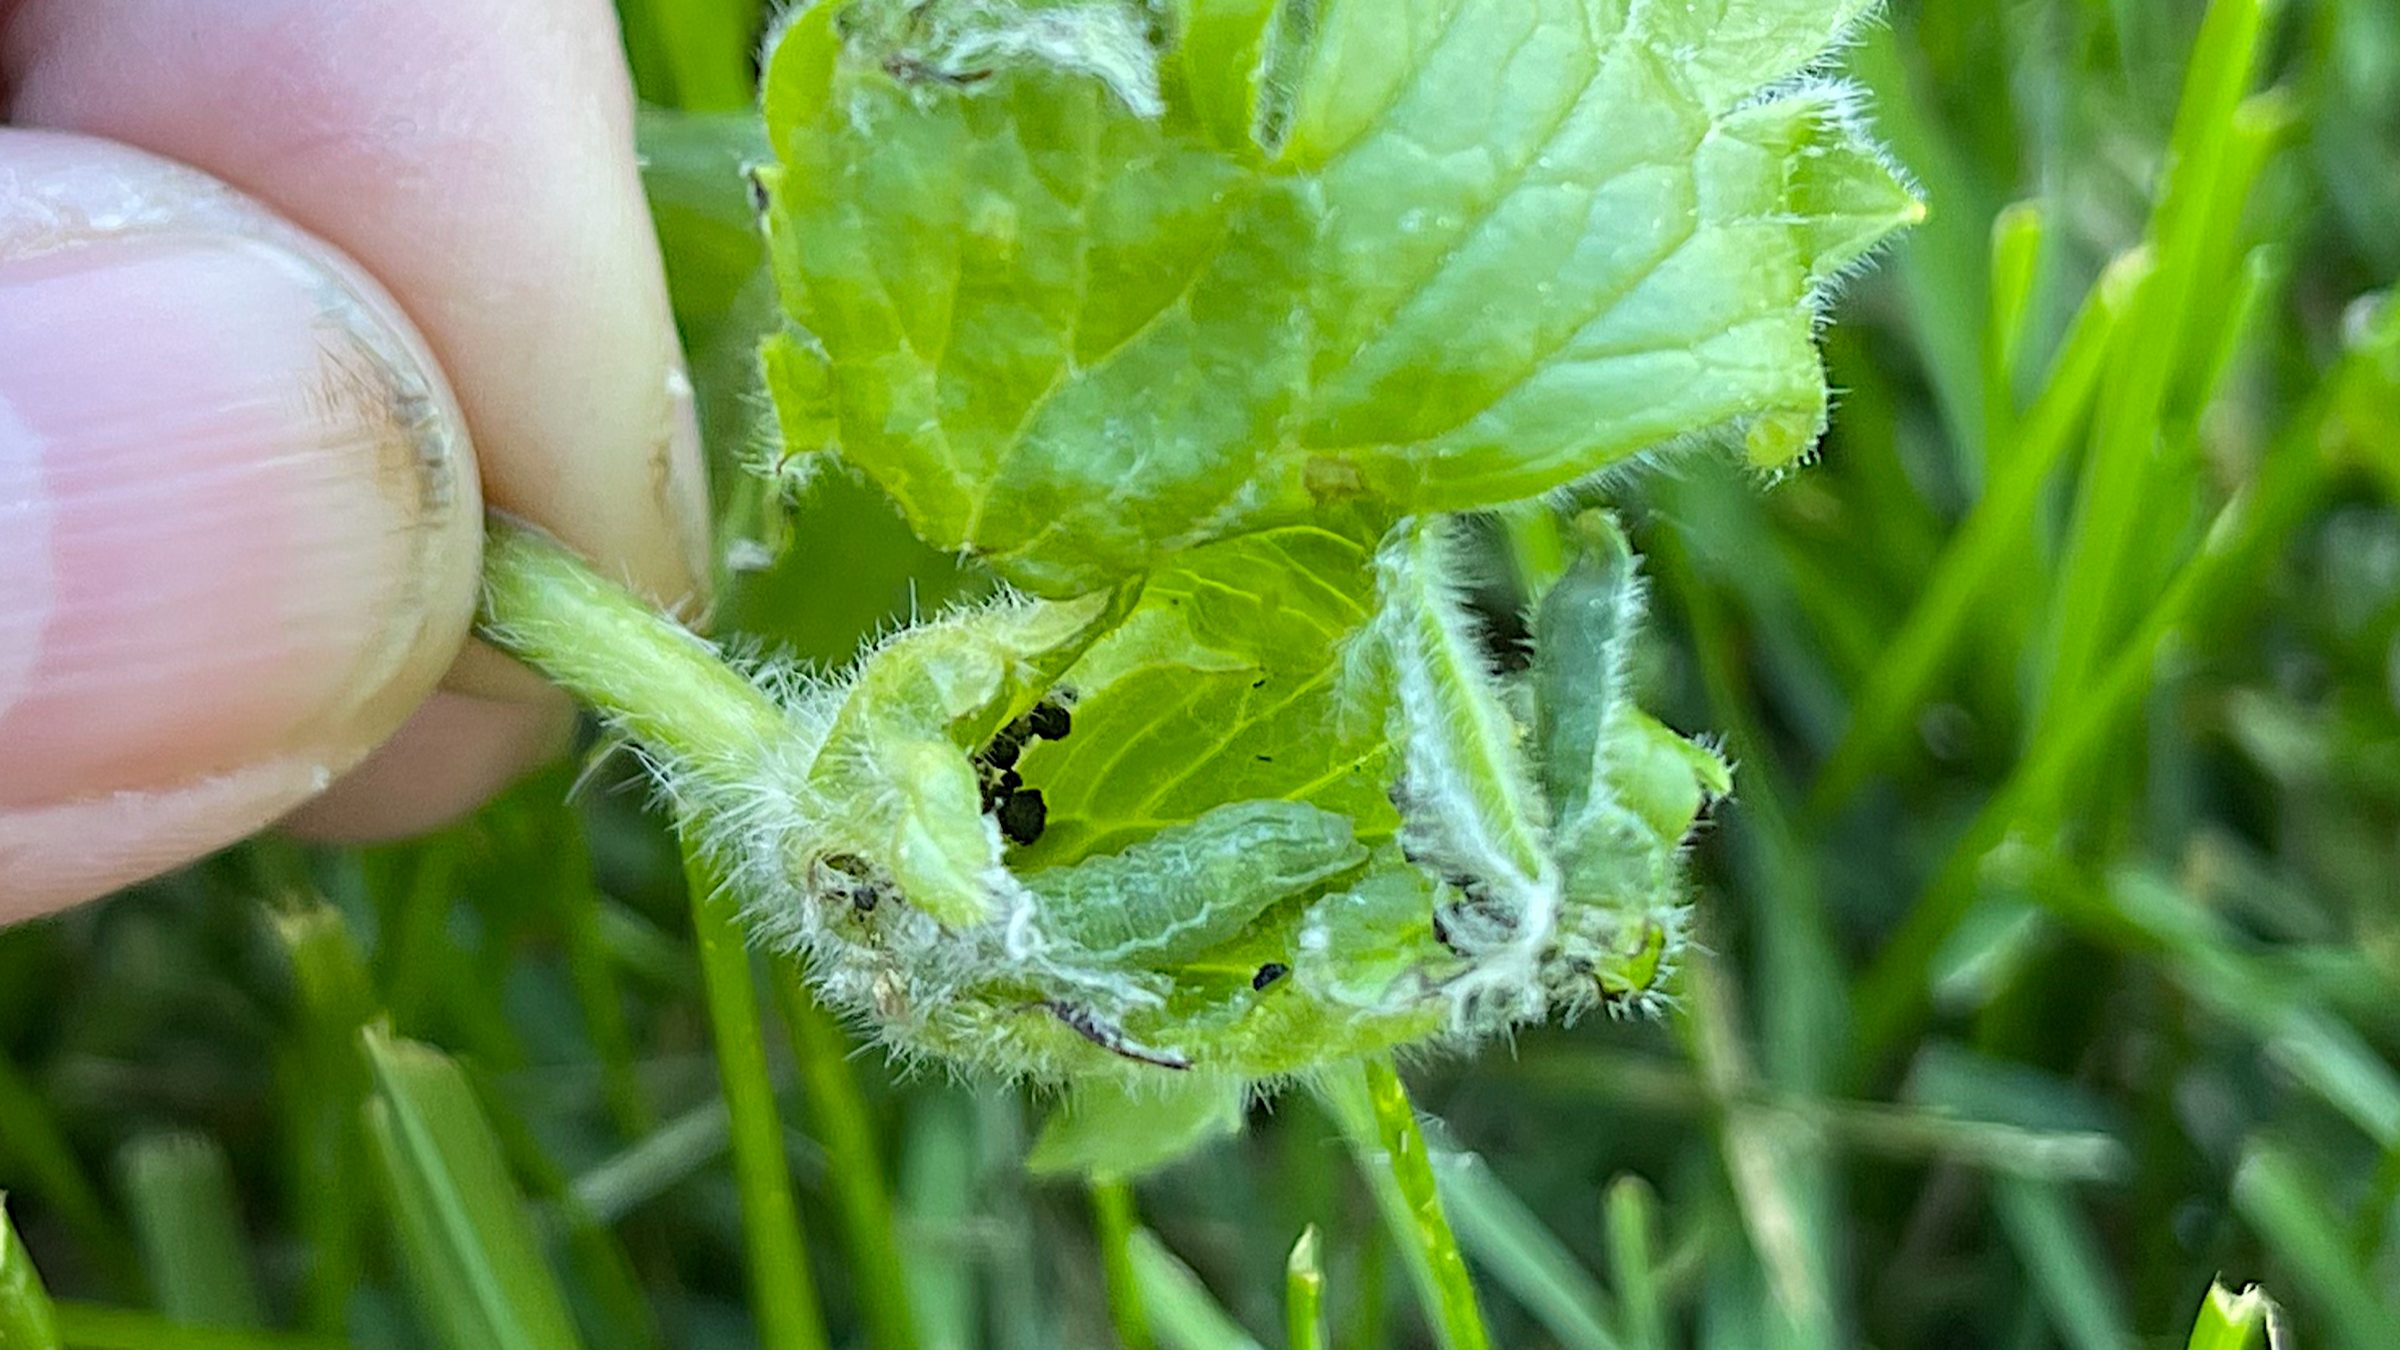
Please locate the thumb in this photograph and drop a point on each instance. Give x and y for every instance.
(238, 518)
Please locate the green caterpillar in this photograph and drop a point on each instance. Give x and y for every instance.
(1192, 886)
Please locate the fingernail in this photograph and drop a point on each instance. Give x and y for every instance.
(236, 510)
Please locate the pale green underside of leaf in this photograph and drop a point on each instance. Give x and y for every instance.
(1501, 244)
(1228, 683)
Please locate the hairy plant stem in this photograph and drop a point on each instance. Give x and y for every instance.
(1381, 1126)
(668, 688)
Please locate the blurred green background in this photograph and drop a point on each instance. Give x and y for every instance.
(2052, 940)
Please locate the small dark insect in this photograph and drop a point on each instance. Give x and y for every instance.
(1008, 745)
(1110, 1038)
(856, 880)
(758, 189)
(999, 787)
(1050, 721)
(1269, 974)
(1022, 816)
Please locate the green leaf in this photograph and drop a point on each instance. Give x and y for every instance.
(1048, 300)
(1107, 1130)
(459, 1218)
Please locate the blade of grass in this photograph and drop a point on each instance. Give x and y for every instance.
(694, 53)
(2114, 502)
(413, 888)
(1885, 1130)
(783, 1293)
(937, 1190)
(1023, 1316)
(2165, 435)
(27, 1321)
(83, 1326)
(1375, 1115)
(34, 1142)
(2064, 1257)
(1508, 1242)
(1113, 1224)
(1939, 262)
(2257, 283)
(1304, 1294)
(575, 901)
(459, 1218)
(325, 1081)
(2231, 1321)
(610, 1305)
(188, 1221)
(2276, 1196)
(2261, 126)
(1188, 1317)
(1995, 532)
(838, 1110)
(2018, 233)
(1632, 1218)
(1891, 995)
(1773, 1168)
(1370, 1304)
(656, 1163)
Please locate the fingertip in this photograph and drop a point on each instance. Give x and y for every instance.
(242, 517)
(477, 156)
